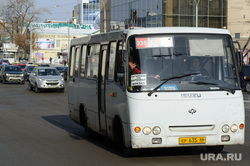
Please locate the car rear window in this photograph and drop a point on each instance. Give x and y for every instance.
(246, 70)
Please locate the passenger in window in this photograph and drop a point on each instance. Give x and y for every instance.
(134, 68)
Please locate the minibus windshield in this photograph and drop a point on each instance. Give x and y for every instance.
(196, 57)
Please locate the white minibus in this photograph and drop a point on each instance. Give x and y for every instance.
(158, 87)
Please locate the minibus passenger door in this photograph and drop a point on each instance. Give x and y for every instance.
(101, 90)
(73, 81)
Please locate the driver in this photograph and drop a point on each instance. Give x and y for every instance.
(196, 68)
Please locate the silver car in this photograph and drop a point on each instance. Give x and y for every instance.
(45, 78)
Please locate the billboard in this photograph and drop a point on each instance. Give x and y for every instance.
(45, 43)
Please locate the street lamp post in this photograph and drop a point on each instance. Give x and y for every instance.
(30, 44)
(104, 15)
(58, 6)
(196, 12)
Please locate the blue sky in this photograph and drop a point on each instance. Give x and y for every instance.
(56, 13)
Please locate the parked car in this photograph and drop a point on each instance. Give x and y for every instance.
(42, 65)
(4, 62)
(11, 73)
(45, 78)
(26, 71)
(30, 64)
(63, 71)
(21, 65)
(246, 72)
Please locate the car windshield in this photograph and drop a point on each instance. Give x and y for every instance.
(48, 72)
(60, 68)
(187, 62)
(13, 68)
(30, 68)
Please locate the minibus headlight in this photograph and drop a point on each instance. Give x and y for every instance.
(234, 128)
(146, 130)
(156, 130)
(225, 128)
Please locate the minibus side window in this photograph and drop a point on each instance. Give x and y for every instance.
(72, 61)
(93, 61)
(83, 61)
(112, 54)
(77, 61)
(119, 65)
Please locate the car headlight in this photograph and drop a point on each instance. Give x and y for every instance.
(234, 128)
(225, 128)
(40, 79)
(146, 130)
(7, 74)
(62, 79)
(156, 130)
(21, 75)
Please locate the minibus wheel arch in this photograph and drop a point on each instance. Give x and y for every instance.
(120, 138)
(118, 130)
(84, 122)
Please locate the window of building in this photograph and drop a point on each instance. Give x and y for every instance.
(57, 43)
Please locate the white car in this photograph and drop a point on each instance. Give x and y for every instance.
(45, 78)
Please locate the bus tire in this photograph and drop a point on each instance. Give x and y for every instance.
(247, 88)
(88, 133)
(215, 149)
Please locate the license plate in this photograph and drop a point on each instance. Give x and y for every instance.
(192, 140)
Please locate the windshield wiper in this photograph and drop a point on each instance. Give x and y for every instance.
(170, 78)
(217, 85)
(167, 55)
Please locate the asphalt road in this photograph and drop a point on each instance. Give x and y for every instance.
(35, 129)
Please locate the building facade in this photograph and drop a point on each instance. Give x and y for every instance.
(53, 38)
(159, 13)
(88, 12)
(229, 14)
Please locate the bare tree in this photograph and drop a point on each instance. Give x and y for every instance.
(17, 17)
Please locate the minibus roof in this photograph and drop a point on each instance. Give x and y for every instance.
(174, 30)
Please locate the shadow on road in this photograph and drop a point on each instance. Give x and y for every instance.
(77, 132)
(64, 122)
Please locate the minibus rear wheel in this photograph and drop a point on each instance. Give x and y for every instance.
(87, 131)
